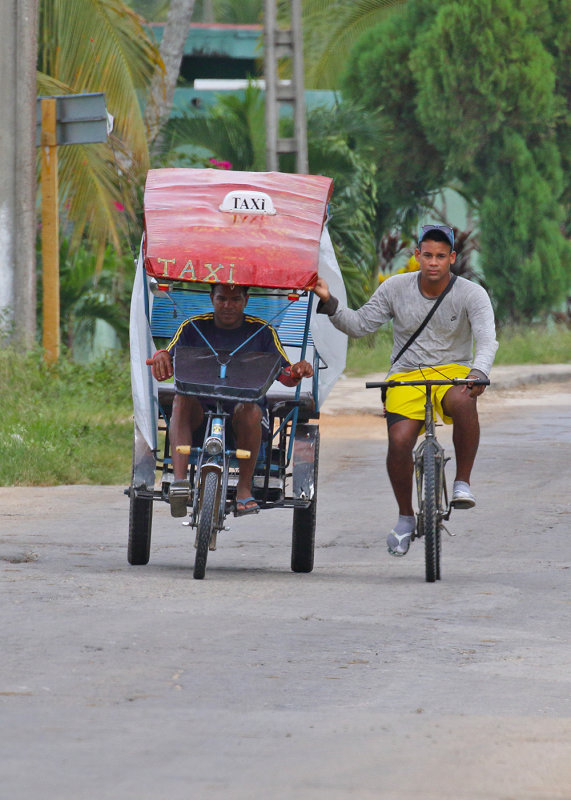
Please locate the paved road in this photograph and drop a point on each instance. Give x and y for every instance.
(357, 681)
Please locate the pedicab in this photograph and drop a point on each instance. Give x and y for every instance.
(266, 231)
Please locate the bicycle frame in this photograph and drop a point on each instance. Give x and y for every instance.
(212, 456)
(443, 509)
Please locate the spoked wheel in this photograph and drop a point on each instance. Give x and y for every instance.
(303, 529)
(140, 524)
(431, 522)
(207, 514)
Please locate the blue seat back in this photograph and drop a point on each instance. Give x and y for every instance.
(286, 317)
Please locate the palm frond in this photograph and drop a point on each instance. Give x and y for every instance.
(101, 45)
(239, 12)
(232, 130)
(98, 45)
(332, 28)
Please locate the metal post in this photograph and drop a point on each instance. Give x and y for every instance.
(300, 122)
(284, 43)
(50, 232)
(271, 80)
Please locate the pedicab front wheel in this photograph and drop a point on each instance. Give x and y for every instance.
(205, 523)
(140, 524)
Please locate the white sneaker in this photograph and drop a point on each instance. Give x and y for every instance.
(462, 497)
(398, 543)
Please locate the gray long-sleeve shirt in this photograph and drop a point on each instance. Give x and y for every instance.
(462, 331)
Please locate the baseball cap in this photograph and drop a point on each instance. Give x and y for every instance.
(445, 229)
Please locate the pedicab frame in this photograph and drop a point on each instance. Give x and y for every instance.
(263, 230)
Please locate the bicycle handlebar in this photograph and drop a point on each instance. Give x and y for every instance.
(449, 382)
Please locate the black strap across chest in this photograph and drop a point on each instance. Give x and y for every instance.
(426, 320)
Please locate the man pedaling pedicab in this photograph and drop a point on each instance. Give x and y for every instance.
(443, 349)
(226, 327)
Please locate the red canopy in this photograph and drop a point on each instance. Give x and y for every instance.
(188, 237)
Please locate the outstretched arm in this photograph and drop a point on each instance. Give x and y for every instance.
(356, 323)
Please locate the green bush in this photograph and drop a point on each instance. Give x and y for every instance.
(67, 423)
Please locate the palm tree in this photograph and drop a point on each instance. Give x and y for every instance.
(331, 28)
(97, 45)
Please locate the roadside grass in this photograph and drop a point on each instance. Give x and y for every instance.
(529, 344)
(64, 424)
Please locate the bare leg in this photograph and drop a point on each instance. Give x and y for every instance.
(187, 415)
(466, 436)
(402, 438)
(247, 426)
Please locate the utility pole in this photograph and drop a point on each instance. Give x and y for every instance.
(18, 55)
(281, 43)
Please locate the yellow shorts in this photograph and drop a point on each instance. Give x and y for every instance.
(409, 400)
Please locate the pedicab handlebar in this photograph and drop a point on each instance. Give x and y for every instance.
(448, 382)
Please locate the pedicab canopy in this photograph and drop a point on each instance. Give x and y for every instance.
(223, 226)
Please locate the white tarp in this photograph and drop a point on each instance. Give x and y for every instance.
(143, 385)
(331, 344)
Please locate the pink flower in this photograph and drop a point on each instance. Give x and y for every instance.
(220, 164)
(119, 206)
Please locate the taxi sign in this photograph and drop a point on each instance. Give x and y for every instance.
(240, 202)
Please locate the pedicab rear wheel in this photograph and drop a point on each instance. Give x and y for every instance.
(140, 525)
(205, 523)
(303, 528)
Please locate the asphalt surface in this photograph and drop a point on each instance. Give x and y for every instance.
(357, 681)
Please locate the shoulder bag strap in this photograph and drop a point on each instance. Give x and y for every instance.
(426, 320)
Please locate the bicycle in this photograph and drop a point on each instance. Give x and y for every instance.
(429, 469)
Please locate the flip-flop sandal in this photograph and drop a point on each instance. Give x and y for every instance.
(243, 511)
(179, 492)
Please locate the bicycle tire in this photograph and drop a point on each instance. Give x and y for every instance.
(206, 517)
(431, 522)
(140, 525)
(303, 527)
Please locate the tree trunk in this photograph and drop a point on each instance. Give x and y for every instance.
(161, 94)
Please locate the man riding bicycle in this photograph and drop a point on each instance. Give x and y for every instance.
(443, 327)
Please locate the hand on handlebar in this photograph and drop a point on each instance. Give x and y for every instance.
(161, 365)
(473, 391)
(302, 369)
